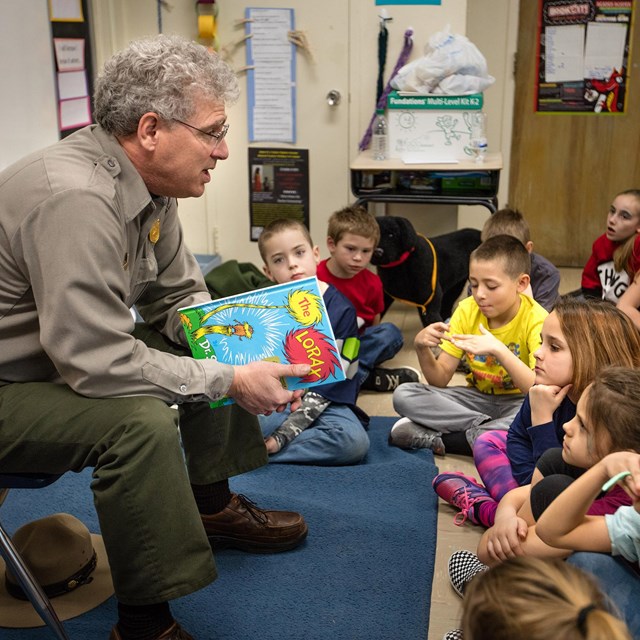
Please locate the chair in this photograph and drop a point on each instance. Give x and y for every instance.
(15, 563)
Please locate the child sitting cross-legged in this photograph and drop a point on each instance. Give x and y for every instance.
(353, 234)
(545, 277)
(328, 429)
(549, 519)
(566, 523)
(606, 420)
(564, 367)
(498, 328)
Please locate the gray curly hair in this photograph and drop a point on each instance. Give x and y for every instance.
(164, 74)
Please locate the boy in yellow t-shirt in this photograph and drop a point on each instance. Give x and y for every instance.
(498, 328)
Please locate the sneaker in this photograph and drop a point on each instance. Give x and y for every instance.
(463, 366)
(406, 434)
(454, 634)
(461, 491)
(388, 379)
(463, 566)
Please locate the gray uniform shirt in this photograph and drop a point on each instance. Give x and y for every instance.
(81, 241)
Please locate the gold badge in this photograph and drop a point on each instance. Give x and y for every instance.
(154, 233)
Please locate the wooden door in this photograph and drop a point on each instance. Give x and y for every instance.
(565, 168)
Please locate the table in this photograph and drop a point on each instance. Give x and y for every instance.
(391, 180)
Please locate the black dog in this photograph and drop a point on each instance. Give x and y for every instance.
(405, 262)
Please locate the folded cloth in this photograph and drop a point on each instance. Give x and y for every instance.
(233, 277)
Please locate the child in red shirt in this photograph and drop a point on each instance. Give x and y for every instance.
(353, 234)
(615, 256)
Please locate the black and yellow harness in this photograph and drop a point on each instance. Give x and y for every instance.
(434, 275)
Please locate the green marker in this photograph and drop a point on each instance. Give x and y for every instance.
(609, 483)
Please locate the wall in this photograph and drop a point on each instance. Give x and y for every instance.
(28, 114)
(223, 215)
(492, 25)
(223, 212)
(117, 22)
(425, 21)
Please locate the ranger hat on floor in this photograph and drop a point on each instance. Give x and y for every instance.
(69, 563)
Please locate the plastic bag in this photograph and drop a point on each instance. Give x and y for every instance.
(446, 55)
(459, 85)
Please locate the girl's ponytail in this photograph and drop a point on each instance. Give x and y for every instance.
(538, 599)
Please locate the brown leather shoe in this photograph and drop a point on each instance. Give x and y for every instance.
(243, 525)
(174, 632)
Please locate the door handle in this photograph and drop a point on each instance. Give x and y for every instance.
(333, 98)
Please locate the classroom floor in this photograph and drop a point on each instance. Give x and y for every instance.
(445, 604)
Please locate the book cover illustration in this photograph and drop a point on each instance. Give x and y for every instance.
(285, 323)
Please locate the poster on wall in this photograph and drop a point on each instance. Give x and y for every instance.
(583, 57)
(271, 75)
(278, 186)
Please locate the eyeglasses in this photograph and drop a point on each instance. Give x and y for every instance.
(212, 136)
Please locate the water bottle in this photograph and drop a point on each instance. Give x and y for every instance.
(379, 136)
(479, 136)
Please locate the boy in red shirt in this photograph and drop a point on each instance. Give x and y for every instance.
(353, 234)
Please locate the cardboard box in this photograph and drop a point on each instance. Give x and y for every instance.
(430, 128)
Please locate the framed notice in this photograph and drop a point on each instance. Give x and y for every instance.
(278, 186)
(66, 11)
(271, 75)
(71, 35)
(583, 56)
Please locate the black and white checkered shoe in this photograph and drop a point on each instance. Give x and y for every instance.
(463, 565)
(454, 634)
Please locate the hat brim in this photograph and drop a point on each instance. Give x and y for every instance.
(20, 614)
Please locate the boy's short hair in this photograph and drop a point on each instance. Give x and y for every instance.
(515, 258)
(508, 222)
(278, 226)
(353, 219)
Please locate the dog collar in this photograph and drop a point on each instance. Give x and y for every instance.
(434, 275)
(399, 261)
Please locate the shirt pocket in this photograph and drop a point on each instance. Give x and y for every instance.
(146, 271)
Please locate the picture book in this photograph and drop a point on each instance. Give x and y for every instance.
(284, 323)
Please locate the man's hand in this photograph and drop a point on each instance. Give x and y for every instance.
(257, 388)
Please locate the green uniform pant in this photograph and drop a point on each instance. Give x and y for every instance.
(153, 534)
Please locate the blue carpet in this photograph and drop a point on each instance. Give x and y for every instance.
(364, 572)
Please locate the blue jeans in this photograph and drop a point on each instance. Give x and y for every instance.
(377, 344)
(617, 580)
(336, 437)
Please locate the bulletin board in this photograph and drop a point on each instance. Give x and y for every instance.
(75, 108)
(583, 55)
